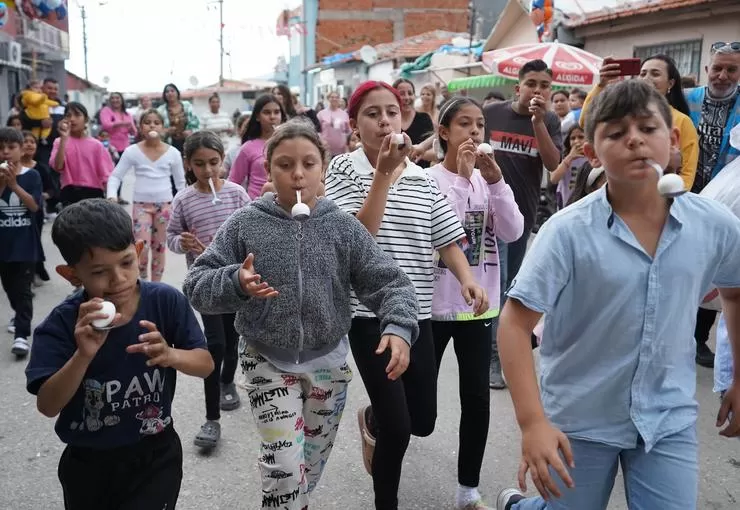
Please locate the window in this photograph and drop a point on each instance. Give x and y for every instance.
(687, 55)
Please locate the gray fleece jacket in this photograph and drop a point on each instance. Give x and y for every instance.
(312, 265)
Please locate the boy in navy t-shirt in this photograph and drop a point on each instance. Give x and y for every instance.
(20, 196)
(113, 389)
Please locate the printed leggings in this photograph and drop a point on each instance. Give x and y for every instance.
(150, 226)
(297, 416)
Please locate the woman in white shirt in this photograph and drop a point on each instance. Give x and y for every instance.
(217, 121)
(154, 163)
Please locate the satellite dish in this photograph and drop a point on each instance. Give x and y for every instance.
(369, 55)
(106, 80)
(194, 81)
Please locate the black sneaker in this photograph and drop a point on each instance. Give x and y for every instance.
(704, 356)
(209, 435)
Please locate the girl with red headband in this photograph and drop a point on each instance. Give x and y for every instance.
(409, 218)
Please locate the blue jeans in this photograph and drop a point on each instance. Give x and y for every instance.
(665, 478)
(510, 257)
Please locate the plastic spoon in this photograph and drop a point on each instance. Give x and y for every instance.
(669, 185)
(215, 200)
(300, 211)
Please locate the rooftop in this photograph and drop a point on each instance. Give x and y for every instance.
(634, 8)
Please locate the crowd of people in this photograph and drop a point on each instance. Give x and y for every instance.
(418, 232)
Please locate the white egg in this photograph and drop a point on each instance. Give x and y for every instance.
(485, 148)
(152, 134)
(300, 211)
(398, 139)
(670, 185)
(109, 309)
(4, 165)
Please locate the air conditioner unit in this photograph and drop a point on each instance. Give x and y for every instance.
(10, 52)
(15, 56)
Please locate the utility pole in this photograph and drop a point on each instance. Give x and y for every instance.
(471, 27)
(83, 15)
(221, 42)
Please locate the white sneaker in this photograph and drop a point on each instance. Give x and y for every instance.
(20, 347)
(11, 326)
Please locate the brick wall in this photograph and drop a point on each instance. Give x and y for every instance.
(347, 25)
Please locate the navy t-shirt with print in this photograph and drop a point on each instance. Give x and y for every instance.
(18, 228)
(120, 400)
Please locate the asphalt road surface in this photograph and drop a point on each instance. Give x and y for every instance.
(227, 479)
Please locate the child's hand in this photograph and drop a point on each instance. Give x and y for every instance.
(488, 167)
(190, 243)
(390, 156)
(8, 175)
(88, 339)
(400, 355)
(466, 154)
(63, 129)
(729, 412)
(250, 281)
(475, 296)
(154, 346)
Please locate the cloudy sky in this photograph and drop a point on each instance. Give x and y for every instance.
(140, 45)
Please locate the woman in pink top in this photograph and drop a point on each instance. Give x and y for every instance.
(248, 168)
(119, 124)
(485, 205)
(83, 162)
(334, 125)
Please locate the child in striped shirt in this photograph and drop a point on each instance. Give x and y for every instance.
(401, 206)
(193, 224)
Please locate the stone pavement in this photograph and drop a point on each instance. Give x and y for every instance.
(227, 479)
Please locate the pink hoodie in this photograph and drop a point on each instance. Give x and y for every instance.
(487, 212)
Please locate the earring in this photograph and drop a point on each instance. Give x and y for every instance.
(669, 91)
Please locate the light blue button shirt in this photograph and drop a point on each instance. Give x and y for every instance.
(617, 354)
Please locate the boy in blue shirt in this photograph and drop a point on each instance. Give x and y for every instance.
(113, 389)
(20, 196)
(619, 275)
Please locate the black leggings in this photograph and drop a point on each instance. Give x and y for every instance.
(399, 408)
(704, 322)
(472, 342)
(223, 342)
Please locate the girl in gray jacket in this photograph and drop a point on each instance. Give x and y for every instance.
(288, 280)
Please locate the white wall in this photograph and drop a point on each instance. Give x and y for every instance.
(709, 30)
(382, 71)
(92, 99)
(523, 32)
(230, 101)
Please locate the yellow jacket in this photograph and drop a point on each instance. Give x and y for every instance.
(36, 104)
(688, 139)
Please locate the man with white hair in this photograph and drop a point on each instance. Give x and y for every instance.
(715, 110)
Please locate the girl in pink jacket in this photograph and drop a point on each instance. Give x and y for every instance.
(472, 183)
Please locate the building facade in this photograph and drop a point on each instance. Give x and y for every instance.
(30, 48)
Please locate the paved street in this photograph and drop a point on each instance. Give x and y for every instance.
(227, 479)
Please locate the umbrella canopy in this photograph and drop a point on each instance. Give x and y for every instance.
(489, 81)
(571, 66)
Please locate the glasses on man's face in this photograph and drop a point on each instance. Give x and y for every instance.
(733, 47)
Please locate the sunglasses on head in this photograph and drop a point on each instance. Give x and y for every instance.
(724, 46)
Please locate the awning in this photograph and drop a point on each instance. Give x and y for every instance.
(486, 81)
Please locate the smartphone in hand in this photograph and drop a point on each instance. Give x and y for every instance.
(628, 66)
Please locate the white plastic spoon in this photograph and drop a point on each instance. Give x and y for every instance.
(215, 200)
(300, 211)
(669, 185)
